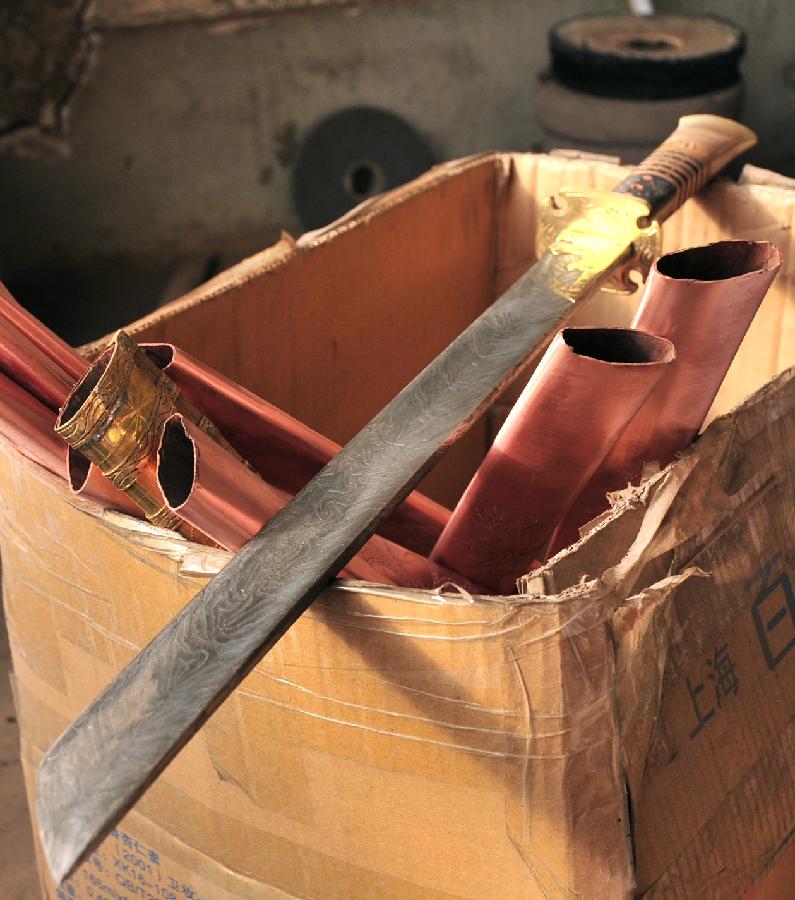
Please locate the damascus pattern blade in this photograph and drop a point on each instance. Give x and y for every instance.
(116, 748)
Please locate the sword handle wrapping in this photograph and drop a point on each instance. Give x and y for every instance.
(697, 150)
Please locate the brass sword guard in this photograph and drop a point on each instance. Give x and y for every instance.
(587, 224)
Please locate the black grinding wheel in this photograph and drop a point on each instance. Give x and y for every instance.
(646, 57)
(350, 156)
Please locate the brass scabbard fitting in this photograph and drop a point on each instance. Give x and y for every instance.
(115, 416)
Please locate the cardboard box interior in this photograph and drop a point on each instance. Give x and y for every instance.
(402, 744)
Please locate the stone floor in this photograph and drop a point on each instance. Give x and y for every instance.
(18, 878)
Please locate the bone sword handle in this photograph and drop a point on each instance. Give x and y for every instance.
(697, 150)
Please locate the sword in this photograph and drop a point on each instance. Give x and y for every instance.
(105, 760)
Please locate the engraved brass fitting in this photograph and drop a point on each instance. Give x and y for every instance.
(115, 416)
(600, 237)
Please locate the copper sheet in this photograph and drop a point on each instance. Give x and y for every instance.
(703, 299)
(24, 363)
(589, 384)
(282, 449)
(55, 349)
(230, 503)
(115, 417)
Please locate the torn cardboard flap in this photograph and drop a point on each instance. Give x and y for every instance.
(642, 631)
(398, 744)
(705, 651)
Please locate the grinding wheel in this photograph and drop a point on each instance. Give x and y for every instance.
(351, 156)
(646, 57)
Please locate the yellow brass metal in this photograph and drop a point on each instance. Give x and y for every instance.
(116, 415)
(593, 230)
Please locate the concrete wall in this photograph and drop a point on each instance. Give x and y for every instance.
(169, 137)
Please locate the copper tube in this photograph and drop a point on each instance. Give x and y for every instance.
(205, 486)
(282, 449)
(229, 503)
(29, 426)
(589, 384)
(115, 417)
(55, 349)
(24, 363)
(703, 299)
(87, 481)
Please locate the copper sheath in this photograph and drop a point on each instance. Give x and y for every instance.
(589, 384)
(115, 417)
(29, 426)
(24, 363)
(214, 492)
(703, 299)
(55, 349)
(229, 503)
(282, 449)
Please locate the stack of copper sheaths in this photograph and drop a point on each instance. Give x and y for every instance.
(149, 430)
(124, 433)
(602, 404)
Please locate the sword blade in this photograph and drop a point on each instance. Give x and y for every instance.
(117, 747)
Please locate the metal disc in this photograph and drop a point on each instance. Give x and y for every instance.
(351, 156)
(646, 57)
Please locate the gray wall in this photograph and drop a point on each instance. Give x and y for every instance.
(170, 137)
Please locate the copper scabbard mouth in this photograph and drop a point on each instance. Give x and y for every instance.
(618, 346)
(719, 261)
(115, 417)
(210, 489)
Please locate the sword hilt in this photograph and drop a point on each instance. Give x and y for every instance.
(698, 149)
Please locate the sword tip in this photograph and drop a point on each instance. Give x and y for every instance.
(66, 824)
(60, 840)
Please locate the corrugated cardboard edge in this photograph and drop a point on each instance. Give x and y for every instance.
(288, 248)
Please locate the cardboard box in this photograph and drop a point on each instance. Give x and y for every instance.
(405, 744)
